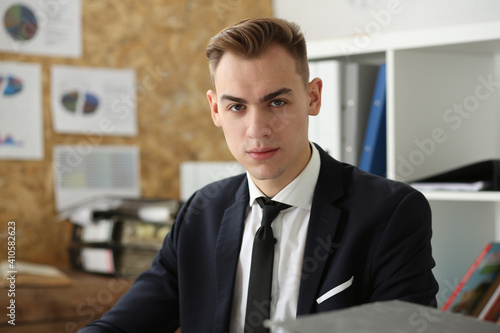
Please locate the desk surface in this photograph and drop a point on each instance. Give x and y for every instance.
(63, 309)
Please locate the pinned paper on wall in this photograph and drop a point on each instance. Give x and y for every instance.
(93, 101)
(21, 119)
(42, 27)
(82, 172)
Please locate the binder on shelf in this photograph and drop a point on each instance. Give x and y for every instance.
(124, 239)
(122, 232)
(488, 308)
(478, 176)
(374, 153)
(111, 259)
(116, 247)
(359, 83)
(468, 296)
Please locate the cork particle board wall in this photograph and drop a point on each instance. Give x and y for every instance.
(164, 42)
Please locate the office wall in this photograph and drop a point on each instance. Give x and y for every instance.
(322, 19)
(162, 38)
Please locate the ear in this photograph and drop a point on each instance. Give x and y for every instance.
(314, 92)
(214, 108)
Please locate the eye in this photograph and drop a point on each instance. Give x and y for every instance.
(236, 107)
(278, 103)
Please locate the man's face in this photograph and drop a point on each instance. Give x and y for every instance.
(263, 107)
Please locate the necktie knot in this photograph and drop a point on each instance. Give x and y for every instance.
(270, 209)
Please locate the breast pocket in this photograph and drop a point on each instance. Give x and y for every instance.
(336, 290)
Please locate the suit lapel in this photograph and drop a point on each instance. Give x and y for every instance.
(323, 223)
(226, 256)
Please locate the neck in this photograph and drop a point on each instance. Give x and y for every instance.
(271, 187)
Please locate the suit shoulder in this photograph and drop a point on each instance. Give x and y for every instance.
(224, 189)
(210, 202)
(358, 181)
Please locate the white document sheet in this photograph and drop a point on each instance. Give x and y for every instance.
(82, 172)
(93, 101)
(42, 27)
(98, 260)
(21, 118)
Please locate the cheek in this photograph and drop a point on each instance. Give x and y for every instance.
(233, 133)
(294, 124)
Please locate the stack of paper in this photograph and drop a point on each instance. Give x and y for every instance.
(384, 317)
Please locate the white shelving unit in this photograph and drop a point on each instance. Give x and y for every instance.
(443, 111)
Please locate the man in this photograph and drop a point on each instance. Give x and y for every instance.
(346, 238)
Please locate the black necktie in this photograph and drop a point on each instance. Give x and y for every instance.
(261, 269)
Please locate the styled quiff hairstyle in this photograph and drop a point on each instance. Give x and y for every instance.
(250, 38)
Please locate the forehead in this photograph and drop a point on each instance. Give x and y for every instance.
(274, 67)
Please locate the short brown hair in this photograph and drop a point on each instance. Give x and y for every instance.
(250, 38)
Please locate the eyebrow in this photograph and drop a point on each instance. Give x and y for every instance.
(264, 99)
(270, 96)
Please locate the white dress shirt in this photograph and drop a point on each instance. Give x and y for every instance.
(290, 231)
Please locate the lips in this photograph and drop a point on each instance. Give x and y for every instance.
(261, 154)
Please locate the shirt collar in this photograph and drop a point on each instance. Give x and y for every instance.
(299, 192)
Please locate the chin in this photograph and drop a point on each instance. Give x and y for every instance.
(264, 173)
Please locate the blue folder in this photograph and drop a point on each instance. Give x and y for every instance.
(374, 154)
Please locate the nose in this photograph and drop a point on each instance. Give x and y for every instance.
(259, 124)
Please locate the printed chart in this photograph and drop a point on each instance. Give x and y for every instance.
(9, 140)
(10, 85)
(20, 22)
(76, 102)
(21, 124)
(41, 27)
(80, 174)
(87, 100)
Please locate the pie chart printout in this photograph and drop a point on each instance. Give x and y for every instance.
(69, 101)
(91, 103)
(9, 140)
(20, 23)
(77, 102)
(10, 85)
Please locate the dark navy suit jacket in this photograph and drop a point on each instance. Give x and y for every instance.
(364, 227)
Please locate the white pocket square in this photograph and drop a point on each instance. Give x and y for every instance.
(335, 291)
